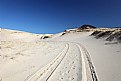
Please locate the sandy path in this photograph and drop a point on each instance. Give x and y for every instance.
(75, 66)
(66, 66)
(67, 61)
(70, 68)
(89, 73)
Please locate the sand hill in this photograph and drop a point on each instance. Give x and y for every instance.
(80, 54)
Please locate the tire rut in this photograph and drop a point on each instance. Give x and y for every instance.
(90, 64)
(43, 74)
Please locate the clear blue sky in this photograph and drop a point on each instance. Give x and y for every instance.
(53, 16)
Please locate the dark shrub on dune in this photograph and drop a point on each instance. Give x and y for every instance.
(119, 39)
(63, 34)
(103, 34)
(45, 37)
(86, 27)
(95, 33)
(110, 38)
(116, 35)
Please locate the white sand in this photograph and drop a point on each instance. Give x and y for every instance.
(105, 58)
(71, 57)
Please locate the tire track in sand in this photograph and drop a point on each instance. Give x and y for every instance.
(86, 59)
(70, 68)
(45, 73)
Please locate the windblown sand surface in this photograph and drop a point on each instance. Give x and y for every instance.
(70, 57)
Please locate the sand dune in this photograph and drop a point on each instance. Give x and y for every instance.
(72, 55)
